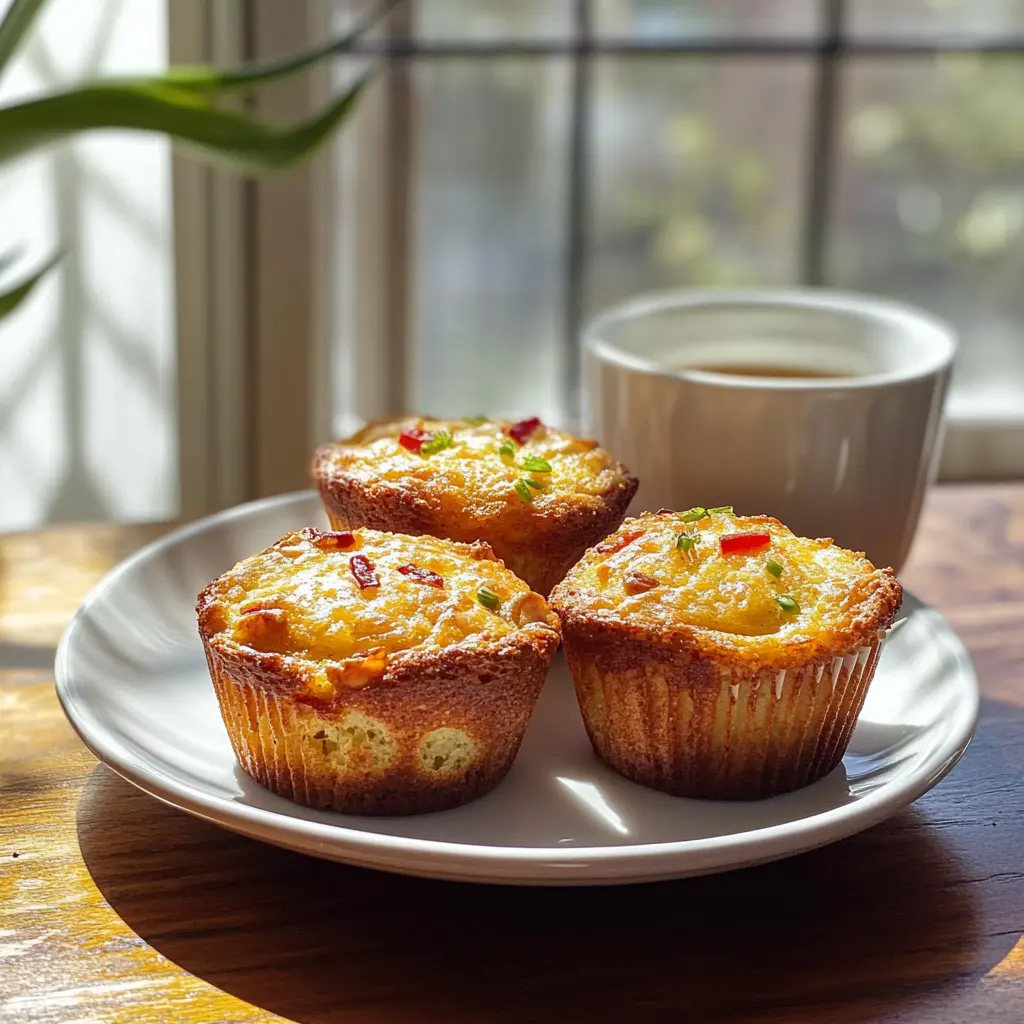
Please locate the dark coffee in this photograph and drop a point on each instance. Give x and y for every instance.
(754, 370)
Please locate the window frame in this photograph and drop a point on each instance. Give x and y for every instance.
(210, 231)
(258, 369)
(251, 259)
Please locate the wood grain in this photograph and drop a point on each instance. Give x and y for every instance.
(116, 908)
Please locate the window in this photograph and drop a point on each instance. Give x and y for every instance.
(512, 169)
(88, 423)
(520, 166)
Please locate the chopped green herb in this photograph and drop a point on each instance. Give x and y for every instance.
(787, 604)
(535, 484)
(523, 490)
(695, 515)
(475, 421)
(725, 509)
(773, 567)
(488, 598)
(535, 464)
(442, 439)
(506, 449)
(686, 542)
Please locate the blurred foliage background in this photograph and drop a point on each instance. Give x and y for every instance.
(698, 169)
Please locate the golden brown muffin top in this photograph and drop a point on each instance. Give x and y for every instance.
(744, 580)
(363, 596)
(490, 464)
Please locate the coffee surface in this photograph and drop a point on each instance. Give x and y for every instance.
(758, 370)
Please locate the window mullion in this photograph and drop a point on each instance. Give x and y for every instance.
(821, 146)
(577, 206)
(210, 237)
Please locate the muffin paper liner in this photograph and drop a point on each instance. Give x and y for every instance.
(291, 748)
(713, 730)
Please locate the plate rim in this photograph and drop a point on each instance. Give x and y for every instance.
(559, 864)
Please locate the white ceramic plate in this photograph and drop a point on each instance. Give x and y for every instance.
(133, 681)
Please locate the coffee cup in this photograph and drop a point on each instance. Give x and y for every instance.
(821, 408)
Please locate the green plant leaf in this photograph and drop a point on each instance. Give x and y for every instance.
(214, 80)
(230, 136)
(9, 258)
(12, 299)
(179, 104)
(17, 21)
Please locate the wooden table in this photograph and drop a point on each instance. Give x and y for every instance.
(114, 907)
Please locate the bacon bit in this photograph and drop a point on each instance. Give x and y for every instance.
(337, 540)
(328, 540)
(638, 582)
(665, 512)
(745, 543)
(414, 438)
(613, 544)
(421, 575)
(521, 431)
(364, 571)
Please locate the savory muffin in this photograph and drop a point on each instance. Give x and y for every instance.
(537, 495)
(375, 673)
(721, 656)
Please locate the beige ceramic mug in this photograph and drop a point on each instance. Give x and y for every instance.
(689, 389)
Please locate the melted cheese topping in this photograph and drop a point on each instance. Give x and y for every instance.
(650, 582)
(301, 597)
(473, 470)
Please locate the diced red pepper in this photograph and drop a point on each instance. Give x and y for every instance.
(613, 544)
(421, 575)
(414, 438)
(521, 431)
(329, 540)
(364, 571)
(339, 539)
(745, 543)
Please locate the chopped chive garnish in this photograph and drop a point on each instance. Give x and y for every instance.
(475, 421)
(535, 484)
(506, 449)
(695, 515)
(773, 567)
(725, 509)
(787, 604)
(535, 464)
(685, 542)
(523, 490)
(488, 598)
(442, 439)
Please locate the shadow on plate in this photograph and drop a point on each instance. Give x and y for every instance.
(845, 933)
